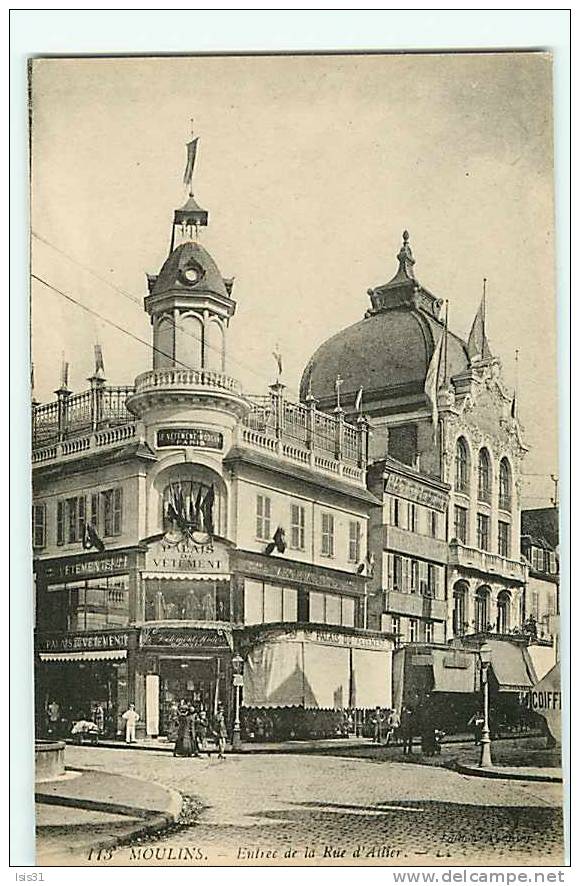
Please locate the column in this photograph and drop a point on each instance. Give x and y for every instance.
(63, 394)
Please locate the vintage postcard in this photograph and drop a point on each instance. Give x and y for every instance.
(294, 460)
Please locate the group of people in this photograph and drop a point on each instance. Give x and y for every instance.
(195, 736)
(389, 726)
(386, 725)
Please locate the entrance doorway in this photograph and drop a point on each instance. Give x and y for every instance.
(196, 681)
(73, 691)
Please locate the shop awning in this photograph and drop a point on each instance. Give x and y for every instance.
(509, 666)
(453, 671)
(85, 655)
(187, 576)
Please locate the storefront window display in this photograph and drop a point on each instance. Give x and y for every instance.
(87, 605)
(91, 690)
(168, 599)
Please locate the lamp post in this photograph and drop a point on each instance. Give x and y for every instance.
(238, 682)
(485, 659)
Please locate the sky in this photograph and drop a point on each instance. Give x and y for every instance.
(310, 168)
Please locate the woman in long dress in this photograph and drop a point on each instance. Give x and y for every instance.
(185, 741)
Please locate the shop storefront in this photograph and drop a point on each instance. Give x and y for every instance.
(185, 639)
(82, 676)
(85, 604)
(306, 681)
(178, 664)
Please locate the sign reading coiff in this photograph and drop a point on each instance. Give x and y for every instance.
(415, 491)
(196, 438)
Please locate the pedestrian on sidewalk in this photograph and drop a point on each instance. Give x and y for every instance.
(406, 730)
(221, 732)
(377, 726)
(185, 742)
(201, 730)
(477, 722)
(131, 717)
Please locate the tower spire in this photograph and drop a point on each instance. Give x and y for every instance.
(191, 216)
(405, 258)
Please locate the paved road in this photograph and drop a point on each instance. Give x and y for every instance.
(335, 809)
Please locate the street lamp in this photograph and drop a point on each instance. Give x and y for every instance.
(485, 659)
(238, 682)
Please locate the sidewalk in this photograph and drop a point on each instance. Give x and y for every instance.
(303, 746)
(88, 810)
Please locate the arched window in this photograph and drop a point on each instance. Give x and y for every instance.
(481, 610)
(188, 341)
(163, 341)
(214, 346)
(503, 612)
(461, 466)
(484, 476)
(505, 485)
(459, 609)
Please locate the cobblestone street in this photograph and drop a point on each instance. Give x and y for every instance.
(329, 809)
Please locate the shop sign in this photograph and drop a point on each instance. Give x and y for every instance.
(421, 660)
(458, 660)
(187, 556)
(102, 564)
(80, 642)
(411, 489)
(334, 638)
(297, 573)
(185, 638)
(196, 438)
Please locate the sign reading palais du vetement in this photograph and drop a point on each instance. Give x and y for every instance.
(186, 556)
(197, 438)
(407, 488)
(80, 642)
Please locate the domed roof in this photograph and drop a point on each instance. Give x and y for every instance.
(388, 353)
(389, 350)
(190, 268)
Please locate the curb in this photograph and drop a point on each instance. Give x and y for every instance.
(152, 821)
(509, 775)
(173, 812)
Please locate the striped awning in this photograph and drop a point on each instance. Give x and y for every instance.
(188, 576)
(85, 655)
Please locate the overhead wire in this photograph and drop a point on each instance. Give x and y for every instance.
(138, 302)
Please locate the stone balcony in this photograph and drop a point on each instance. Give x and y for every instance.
(415, 606)
(463, 557)
(175, 379)
(85, 444)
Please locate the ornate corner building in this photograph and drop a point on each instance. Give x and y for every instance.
(180, 526)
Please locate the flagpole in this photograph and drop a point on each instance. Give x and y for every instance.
(445, 343)
(484, 310)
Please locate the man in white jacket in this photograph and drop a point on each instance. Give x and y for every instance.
(130, 717)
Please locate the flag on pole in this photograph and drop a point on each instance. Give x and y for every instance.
(64, 374)
(278, 358)
(358, 401)
(191, 152)
(514, 409)
(477, 345)
(99, 362)
(432, 383)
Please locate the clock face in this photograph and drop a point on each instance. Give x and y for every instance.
(191, 275)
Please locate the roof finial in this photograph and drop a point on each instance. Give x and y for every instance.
(405, 257)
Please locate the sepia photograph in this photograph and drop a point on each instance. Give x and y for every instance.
(295, 478)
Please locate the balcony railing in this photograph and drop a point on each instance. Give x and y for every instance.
(76, 415)
(86, 443)
(185, 379)
(303, 434)
(415, 605)
(483, 561)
